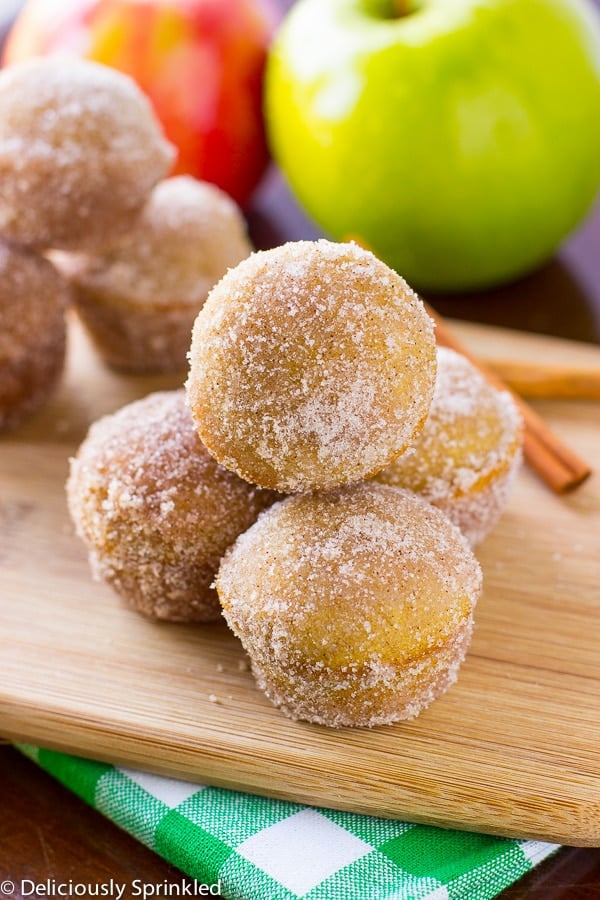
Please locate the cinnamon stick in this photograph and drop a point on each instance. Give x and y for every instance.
(548, 380)
(559, 466)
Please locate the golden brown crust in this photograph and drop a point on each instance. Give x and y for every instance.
(370, 695)
(466, 457)
(312, 365)
(80, 149)
(354, 606)
(33, 300)
(155, 510)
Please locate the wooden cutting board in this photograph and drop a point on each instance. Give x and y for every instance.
(512, 749)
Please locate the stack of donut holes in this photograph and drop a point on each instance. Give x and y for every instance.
(86, 215)
(321, 485)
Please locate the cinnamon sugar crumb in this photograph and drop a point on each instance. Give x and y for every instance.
(311, 365)
(355, 606)
(466, 458)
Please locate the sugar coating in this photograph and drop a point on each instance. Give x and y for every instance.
(155, 510)
(139, 299)
(311, 365)
(33, 300)
(355, 606)
(467, 456)
(80, 149)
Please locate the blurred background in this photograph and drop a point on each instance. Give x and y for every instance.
(561, 298)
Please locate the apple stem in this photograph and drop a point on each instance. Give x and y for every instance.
(403, 8)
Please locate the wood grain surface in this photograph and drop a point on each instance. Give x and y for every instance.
(511, 749)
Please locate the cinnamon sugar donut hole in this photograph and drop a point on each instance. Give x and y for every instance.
(139, 300)
(33, 300)
(312, 365)
(466, 458)
(155, 510)
(80, 149)
(354, 606)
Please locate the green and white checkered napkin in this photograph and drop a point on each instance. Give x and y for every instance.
(263, 849)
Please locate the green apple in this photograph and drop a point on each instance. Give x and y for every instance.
(459, 139)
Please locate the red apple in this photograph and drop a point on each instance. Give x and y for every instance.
(200, 61)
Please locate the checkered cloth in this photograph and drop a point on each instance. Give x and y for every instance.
(262, 849)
